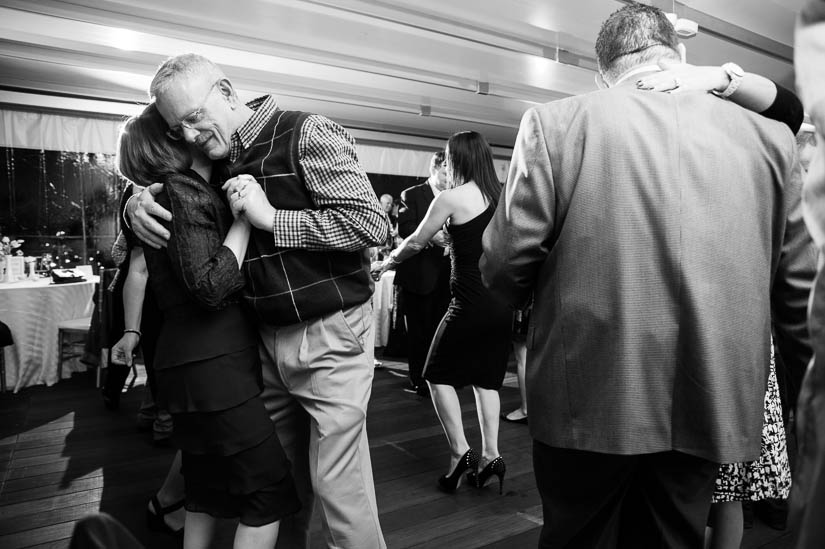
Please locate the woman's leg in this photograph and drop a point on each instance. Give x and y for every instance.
(171, 492)
(448, 410)
(488, 406)
(199, 530)
(727, 529)
(253, 537)
(520, 352)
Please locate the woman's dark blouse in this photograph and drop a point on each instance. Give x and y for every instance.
(196, 260)
(197, 281)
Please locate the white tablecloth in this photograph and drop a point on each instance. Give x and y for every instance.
(32, 310)
(382, 308)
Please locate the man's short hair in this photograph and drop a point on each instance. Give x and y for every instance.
(634, 35)
(436, 161)
(186, 64)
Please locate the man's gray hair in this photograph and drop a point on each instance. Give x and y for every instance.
(187, 64)
(635, 35)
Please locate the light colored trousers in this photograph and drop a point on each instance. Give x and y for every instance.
(317, 384)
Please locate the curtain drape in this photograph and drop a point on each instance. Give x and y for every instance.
(60, 132)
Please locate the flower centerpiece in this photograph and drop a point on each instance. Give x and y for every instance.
(7, 245)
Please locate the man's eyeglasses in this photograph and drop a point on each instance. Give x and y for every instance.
(176, 133)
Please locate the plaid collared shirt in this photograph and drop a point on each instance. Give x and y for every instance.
(348, 215)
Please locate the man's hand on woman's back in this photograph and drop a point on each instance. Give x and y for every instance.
(142, 211)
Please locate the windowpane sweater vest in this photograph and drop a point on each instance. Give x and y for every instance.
(290, 285)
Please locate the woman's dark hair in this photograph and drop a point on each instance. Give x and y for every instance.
(471, 159)
(145, 155)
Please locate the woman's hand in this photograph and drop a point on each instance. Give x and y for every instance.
(378, 268)
(123, 351)
(676, 77)
(441, 238)
(247, 197)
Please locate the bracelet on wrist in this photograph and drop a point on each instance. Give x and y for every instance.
(133, 332)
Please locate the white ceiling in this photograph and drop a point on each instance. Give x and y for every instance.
(416, 67)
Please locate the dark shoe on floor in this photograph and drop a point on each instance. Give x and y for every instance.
(421, 390)
(508, 417)
(111, 403)
(468, 462)
(144, 423)
(161, 440)
(496, 468)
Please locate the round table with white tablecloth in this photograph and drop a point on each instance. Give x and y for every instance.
(382, 304)
(32, 309)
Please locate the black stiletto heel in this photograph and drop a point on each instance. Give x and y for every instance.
(495, 467)
(448, 483)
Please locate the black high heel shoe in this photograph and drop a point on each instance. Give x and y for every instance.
(155, 514)
(495, 467)
(448, 483)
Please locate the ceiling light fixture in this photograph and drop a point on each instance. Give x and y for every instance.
(685, 28)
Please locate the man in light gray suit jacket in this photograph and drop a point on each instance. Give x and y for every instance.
(650, 228)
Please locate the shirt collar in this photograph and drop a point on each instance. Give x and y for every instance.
(634, 72)
(263, 108)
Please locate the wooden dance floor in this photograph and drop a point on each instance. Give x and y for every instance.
(63, 456)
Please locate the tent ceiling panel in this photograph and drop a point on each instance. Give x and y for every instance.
(424, 67)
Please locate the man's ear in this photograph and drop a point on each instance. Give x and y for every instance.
(227, 90)
(600, 82)
(682, 51)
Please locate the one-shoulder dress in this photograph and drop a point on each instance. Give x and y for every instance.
(472, 343)
(207, 365)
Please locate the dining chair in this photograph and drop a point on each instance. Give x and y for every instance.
(69, 331)
(71, 334)
(5, 340)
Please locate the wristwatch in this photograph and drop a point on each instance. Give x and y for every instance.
(736, 74)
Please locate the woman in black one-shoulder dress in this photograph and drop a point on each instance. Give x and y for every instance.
(472, 343)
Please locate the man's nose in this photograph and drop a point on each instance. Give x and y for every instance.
(190, 134)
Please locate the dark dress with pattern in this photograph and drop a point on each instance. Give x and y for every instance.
(768, 477)
(207, 364)
(472, 343)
